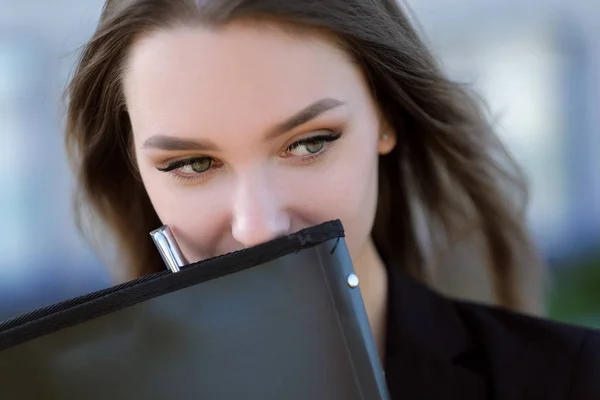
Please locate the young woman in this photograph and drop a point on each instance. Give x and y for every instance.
(236, 121)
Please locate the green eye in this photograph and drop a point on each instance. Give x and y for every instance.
(197, 165)
(312, 145)
(201, 165)
(315, 146)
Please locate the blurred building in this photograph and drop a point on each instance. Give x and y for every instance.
(536, 62)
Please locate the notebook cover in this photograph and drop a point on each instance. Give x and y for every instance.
(276, 321)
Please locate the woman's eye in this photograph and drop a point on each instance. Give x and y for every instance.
(197, 166)
(192, 166)
(307, 147)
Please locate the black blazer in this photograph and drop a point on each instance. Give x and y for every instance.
(442, 349)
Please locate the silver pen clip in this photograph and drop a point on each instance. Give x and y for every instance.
(168, 248)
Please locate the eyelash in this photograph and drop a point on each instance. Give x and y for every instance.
(327, 140)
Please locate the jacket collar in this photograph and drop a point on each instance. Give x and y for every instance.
(426, 344)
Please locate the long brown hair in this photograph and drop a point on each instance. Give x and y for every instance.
(447, 177)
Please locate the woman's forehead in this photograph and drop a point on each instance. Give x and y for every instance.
(239, 75)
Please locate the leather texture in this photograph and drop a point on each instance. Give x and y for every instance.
(287, 328)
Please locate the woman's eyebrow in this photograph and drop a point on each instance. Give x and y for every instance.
(312, 111)
(174, 143)
(303, 116)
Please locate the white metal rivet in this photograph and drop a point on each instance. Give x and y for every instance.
(352, 280)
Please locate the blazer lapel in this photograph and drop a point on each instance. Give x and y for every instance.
(429, 353)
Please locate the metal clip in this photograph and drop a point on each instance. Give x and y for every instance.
(168, 248)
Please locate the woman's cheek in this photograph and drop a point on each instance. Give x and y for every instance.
(196, 216)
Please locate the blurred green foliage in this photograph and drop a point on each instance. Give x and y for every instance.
(574, 296)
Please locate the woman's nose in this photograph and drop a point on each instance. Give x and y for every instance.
(258, 214)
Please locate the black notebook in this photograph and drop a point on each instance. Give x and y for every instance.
(282, 320)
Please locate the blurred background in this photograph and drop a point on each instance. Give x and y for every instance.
(536, 62)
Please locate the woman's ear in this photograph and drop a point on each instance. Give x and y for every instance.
(387, 141)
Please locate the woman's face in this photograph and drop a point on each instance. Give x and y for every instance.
(246, 133)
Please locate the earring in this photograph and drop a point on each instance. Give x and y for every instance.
(384, 136)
